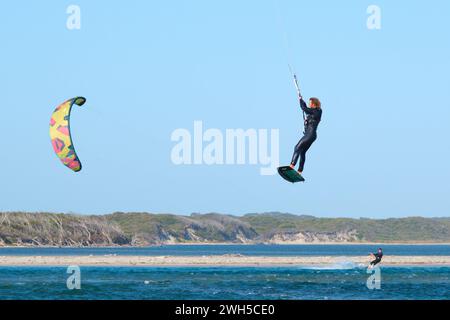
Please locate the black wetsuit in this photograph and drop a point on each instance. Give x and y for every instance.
(313, 117)
(378, 257)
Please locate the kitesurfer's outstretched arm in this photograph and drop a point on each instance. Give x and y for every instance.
(304, 106)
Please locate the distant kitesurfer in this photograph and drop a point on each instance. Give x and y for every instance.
(313, 116)
(377, 255)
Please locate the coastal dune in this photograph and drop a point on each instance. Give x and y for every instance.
(218, 260)
(141, 229)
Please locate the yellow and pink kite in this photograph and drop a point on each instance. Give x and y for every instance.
(60, 134)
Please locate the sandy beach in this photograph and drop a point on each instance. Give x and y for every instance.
(222, 260)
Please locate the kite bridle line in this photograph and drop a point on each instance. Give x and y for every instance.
(289, 52)
(298, 89)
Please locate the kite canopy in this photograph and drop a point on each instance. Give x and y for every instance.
(60, 134)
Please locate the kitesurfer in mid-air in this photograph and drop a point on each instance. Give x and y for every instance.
(378, 255)
(313, 116)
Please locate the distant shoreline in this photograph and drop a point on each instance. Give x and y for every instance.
(217, 261)
(231, 244)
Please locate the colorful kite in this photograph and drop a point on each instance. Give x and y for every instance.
(60, 134)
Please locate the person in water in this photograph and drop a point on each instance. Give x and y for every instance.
(378, 255)
(313, 117)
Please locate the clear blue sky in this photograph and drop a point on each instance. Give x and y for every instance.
(148, 68)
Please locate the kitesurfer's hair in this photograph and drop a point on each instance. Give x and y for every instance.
(316, 102)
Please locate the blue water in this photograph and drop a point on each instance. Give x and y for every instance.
(345, 282)
(249, 250)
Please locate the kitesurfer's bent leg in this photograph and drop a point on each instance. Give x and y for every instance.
(375, 262)
(297, 150)
(300, 151)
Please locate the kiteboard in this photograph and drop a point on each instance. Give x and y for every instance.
(289, 174)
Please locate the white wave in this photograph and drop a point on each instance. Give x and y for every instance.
(341, 265)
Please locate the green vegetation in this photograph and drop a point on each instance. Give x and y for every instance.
(140, 229)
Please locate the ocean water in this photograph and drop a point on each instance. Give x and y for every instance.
(344, 281)
(248, 250)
